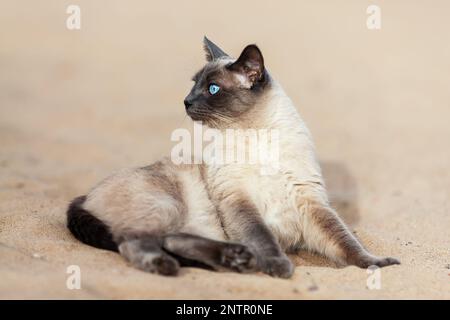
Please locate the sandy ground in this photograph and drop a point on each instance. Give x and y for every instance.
(76, 105)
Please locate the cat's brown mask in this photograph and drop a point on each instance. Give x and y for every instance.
(241, 83)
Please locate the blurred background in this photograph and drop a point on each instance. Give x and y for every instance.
(78, 104)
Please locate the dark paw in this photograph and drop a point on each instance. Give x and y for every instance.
(238, 258)
(157, 263)
(367, 261)
(166, 265)
(280, 267)
(154, 262)
(384, 262)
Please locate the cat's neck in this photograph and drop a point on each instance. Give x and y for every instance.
(275, 110)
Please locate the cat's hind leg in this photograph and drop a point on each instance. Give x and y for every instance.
(326, 233)
(145, 253)
(219, 255)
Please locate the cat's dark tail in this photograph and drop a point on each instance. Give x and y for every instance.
(87, 228)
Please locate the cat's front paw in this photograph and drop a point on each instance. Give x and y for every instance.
(280, 267)
(238, 257)
(384, 262)
(367, 261)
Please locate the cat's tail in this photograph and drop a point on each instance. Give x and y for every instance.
(87, 228)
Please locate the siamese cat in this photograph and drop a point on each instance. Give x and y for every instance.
(229, 216)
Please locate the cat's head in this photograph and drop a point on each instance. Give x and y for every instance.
(226, 88)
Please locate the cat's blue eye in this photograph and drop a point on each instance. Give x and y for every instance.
(213, 88)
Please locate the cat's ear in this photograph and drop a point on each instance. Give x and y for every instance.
(213, 52)
(250, 64)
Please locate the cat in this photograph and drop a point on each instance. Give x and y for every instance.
(227, 216)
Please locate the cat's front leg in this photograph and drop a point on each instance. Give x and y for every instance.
(244, 224)
(326, 233)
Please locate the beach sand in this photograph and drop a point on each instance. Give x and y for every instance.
(77, 105)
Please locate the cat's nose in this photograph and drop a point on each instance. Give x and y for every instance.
(187, 103)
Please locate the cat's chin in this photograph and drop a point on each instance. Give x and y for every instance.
(196, 118)
(204, 121)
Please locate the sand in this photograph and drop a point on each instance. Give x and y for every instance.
(77, 105)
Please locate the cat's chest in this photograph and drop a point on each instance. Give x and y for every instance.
(271, 196)
(273, 192)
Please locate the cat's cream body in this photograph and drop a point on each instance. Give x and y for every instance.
(128, 202)
(224, 215)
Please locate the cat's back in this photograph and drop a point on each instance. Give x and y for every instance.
(159, 198)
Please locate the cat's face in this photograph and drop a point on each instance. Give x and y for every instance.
(225, 88)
